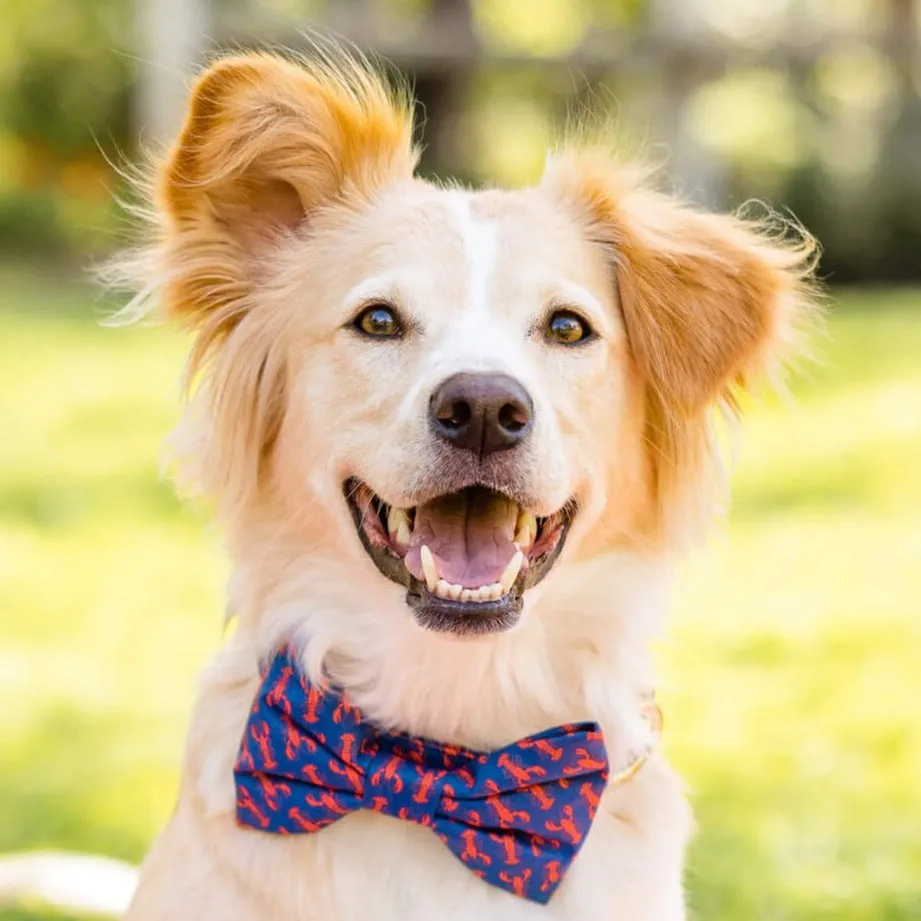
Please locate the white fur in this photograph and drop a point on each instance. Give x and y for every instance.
(293, 404)
(480, 692)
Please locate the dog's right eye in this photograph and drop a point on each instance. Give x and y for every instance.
(378, 321)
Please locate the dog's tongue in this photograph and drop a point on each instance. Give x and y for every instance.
(471, 535)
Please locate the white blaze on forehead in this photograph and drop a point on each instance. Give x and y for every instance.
(480, 238)
(474, 338)
(477, 337)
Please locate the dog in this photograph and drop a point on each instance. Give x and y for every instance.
(456, 440)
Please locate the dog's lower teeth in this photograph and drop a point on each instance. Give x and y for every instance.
(447, 590)
(493, 591)
(452, 592)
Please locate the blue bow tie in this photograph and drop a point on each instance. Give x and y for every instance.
(516, 817)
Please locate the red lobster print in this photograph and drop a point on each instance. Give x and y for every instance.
(507, 843)
(552, 875)
(301, 772)
(516, 882)
(261, 734)
(544, 800)
(277, 695)
(566, 826)
(506, 817)
(470, 851)
(389, 772)
(343, 709)
(591, 797)
(271, 790)
(310, 772)
(314, 697)
(423, 794)
(294, 739)
(542, 745)
(350, 774)
(245, 801)
(585, 763)
(522, 776)
(449, 801)
(328, 800)
(303, 822)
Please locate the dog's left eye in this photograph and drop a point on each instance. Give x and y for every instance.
(567, 328)
(379, 321)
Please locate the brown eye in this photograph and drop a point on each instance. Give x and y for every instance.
(378, 321)
(567, 328)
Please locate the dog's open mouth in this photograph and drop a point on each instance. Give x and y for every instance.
(466, 558)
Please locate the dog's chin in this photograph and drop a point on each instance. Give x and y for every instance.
(466, 558)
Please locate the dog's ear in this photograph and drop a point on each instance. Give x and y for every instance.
(266, 143)
(710, 303)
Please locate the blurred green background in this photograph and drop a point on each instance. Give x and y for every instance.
(792, 668)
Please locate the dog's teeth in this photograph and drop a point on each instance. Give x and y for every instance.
(525, 529)
(428, 568)
(442, 589)
(510, 573)
(491, 592)
(398, 525)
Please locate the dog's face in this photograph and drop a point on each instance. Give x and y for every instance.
(454, 383)
(460, 371)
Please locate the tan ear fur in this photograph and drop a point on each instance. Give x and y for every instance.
(710, 303)
(265, 143)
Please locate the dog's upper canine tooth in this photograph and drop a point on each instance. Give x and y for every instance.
(525, 529)
(398, 525)
(428, 568)
(510, 573)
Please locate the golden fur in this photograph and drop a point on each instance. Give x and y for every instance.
(288, 201)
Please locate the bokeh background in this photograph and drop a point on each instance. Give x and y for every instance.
(792, 669)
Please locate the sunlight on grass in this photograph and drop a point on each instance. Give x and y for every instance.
(790, 673)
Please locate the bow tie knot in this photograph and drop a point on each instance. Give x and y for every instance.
(515, 817)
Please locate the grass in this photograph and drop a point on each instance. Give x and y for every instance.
(791, 675)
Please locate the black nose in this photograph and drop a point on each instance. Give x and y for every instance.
(481, 412)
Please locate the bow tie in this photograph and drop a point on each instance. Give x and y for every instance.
(515, 817)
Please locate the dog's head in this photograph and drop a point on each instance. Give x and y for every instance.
(465, 390)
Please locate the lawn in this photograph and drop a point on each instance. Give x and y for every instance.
(791, 672)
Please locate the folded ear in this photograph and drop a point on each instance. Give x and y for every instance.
(709, 301)
(265, 144)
